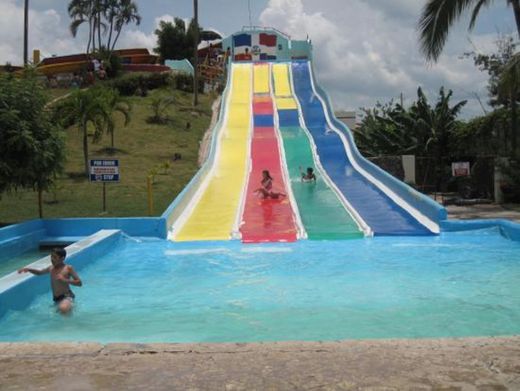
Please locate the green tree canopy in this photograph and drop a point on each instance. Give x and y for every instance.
(438, 16)
(31, 146)
(175, 41)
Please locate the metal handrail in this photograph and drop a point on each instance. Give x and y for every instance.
(263, 28)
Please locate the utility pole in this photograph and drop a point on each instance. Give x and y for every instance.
(196, 54)
(25, 33)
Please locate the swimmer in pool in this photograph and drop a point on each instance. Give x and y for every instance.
(62, 276)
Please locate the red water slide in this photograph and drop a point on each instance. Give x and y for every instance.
(269, 219)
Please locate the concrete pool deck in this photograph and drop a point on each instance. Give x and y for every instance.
(482, 364)
(440, 364)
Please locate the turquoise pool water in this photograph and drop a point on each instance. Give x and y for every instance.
(10, 265)
(458, 284)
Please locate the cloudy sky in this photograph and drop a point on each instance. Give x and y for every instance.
(365, 50)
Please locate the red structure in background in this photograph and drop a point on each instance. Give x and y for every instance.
(266, 220)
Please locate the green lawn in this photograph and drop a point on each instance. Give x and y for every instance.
(141, 148)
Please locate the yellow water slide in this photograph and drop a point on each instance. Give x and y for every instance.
(214, 211)
(282, 87)
(261, 79)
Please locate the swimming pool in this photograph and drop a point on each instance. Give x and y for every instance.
(12, 264)
(457, 284)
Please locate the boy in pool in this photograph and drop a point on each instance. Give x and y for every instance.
(62, 276)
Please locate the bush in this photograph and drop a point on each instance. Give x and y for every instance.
(184, 83)
(129, 83)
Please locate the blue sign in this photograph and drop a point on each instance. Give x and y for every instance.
(104, 170)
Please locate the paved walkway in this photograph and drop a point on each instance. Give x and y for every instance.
(482, 364)
(484, 211)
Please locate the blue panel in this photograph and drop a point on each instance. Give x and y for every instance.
(242, 40)
(19, 238)
(133, 226)
(263, 120)
(288, 118)
(382, 215)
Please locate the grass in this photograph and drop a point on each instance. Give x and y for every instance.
(142, 148)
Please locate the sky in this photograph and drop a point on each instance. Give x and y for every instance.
(365, 51)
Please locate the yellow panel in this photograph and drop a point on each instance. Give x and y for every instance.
(285, 103)
(261, 79)
(214, 215)
(282, 87)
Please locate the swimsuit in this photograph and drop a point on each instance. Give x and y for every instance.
(66, 295)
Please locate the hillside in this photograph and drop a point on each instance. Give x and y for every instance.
(142, 149)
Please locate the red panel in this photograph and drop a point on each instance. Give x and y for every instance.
(267, 39)
(266, 220)
(262, 105)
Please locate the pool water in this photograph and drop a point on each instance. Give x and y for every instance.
(12, 264)
(458, 284)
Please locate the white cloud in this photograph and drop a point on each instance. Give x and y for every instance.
(47, 32)
(368, 51)
(364, 50)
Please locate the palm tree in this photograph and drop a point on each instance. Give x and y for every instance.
(116, 104)
(435, 126)
(81, 12)
(439, 15)
(86, 107)
(126, 13)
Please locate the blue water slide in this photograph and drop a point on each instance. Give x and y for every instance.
(387, 205)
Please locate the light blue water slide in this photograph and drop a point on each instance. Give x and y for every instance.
(387, 205)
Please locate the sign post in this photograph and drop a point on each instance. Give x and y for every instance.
(104, 170)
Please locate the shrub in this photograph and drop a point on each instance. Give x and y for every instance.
(129, 83)
(184, 83)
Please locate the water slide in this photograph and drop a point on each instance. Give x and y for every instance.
(266, 220)
(213, 213)
(275, 117)
(323, 213)
(386, 205)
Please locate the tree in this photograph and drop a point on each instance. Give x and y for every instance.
(175, 41)
(503, 86)
(494, 64)
(31, 145)
(386, 130)
(116, 104)
(84, 107)
(436, 124)
(81, 12)
(102, 16)
(508, 88)
(423, 130)
(439, 15)
(125, 13)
